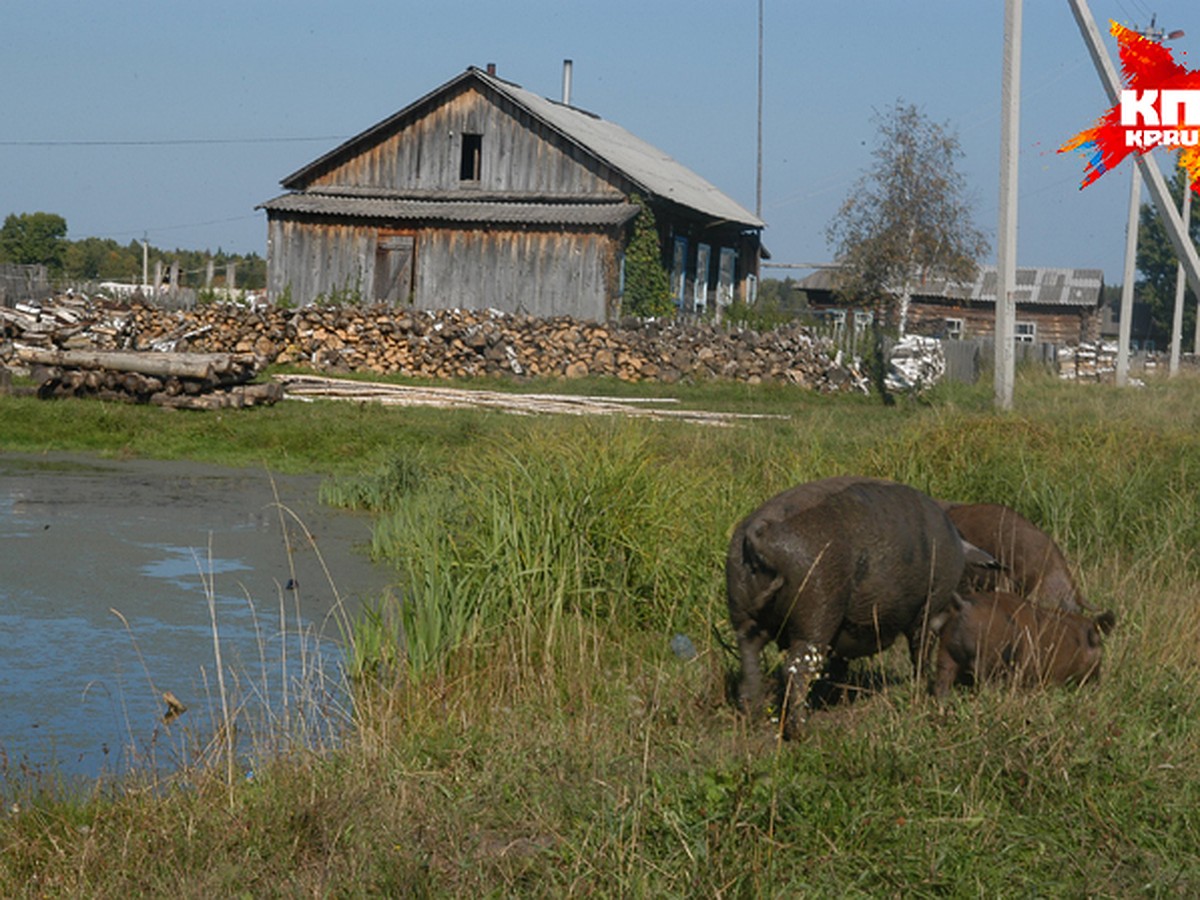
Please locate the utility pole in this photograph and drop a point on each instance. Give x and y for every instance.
(1185, 250)
(1006, 232)
(1180, 286)
(758, 179)
(1126, 323)
(145, 261)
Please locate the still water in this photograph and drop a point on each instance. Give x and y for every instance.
(111, 573)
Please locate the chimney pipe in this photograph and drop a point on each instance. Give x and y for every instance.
(566, 97)
(491, 69)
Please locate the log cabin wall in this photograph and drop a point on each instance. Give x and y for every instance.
(1051, 325)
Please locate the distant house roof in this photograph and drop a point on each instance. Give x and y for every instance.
(1034, 287)
(649, 168)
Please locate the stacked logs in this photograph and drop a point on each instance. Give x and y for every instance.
(448, 344)
(175, 380)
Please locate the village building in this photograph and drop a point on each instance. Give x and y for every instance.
(1053, 306)
(482, 194)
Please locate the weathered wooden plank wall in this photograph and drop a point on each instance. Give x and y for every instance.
(516, 155)
(538, 272)
(541, 273)
(311, 259)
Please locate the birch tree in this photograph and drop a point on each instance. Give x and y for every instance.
(906, 219)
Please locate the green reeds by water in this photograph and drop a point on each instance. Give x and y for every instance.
(629, 521)
(522, 726)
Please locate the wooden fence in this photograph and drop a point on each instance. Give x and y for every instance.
(19, 283)
(966, 360)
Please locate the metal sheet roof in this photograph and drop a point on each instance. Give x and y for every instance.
(461, 211)
(646, 166)
(1034, 287)
(641, 162)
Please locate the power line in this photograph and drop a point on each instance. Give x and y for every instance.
(172, 142)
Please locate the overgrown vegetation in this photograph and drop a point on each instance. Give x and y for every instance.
(647, 286)
(531, 731)
(907, 219)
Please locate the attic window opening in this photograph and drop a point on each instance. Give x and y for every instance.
(472, 152)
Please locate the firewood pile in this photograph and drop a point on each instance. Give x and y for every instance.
(444, 344)
(450, 344)
(1093, 361)
(69, 321)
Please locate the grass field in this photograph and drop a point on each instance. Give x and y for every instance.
(524, 727)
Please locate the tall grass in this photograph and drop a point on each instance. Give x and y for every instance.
(523, 727)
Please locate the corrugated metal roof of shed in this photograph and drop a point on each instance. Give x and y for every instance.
(1034, 286)
(1037, 286)
(467, 211)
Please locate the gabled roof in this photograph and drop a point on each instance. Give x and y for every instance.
(650, 169)
(1034, 287)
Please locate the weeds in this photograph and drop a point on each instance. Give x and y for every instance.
(522, 727)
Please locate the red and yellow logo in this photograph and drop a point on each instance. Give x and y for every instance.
(1159, 108)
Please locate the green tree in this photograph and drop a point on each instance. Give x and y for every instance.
(647, 285)
(908, 218)
(1157, 264)
(34, 239)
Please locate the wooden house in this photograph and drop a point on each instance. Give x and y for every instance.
(484, 195)
(1054, 306)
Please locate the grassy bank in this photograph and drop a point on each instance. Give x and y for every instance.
(537, 734)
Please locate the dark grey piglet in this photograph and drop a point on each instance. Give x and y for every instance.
(833, 570)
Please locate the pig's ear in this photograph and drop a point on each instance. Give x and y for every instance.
(976, 556)
(1106, 621)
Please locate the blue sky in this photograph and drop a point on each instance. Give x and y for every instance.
(173, 120)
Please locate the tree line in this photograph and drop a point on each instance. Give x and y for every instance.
(40, 238)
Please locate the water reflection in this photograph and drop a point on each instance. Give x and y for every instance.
(111, 575)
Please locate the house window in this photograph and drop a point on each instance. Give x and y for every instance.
(726, 262)
(1025, 332)
(862, 320)
(700, 293)
(472, 152)
(679, 271)
(954, 329)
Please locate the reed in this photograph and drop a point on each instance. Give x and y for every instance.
(522, 725)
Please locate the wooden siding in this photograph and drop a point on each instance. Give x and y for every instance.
(307, 260)
(517, 155)
(537, 272)
(1055, 325)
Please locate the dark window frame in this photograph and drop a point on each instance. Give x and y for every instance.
(470, 166)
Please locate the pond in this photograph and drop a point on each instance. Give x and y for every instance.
(114, 575)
